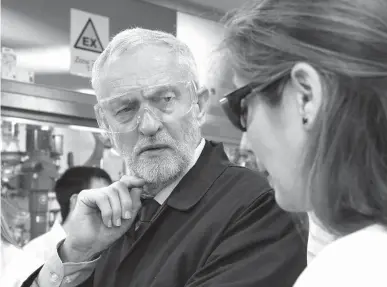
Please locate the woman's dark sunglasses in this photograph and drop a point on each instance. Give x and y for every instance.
(232, 103)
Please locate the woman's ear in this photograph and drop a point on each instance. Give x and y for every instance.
(308, 85)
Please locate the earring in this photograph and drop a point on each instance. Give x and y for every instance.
(304, 121)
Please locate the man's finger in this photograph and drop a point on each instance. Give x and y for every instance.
(103, 203)
(135, 195)
(115, 204)
(132, 181)
(125, 199)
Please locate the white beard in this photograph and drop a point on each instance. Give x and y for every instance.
(162, 170)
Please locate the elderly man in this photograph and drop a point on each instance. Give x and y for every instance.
(203, 221)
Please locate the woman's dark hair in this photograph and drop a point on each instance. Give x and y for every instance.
(73, 181)
(346, 42)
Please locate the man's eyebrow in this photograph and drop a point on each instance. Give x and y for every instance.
(156, 90)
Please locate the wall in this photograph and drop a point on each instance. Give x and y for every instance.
(80, 143)
(43, 26)
(203, 37)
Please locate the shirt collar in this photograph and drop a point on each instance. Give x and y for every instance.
(57, 232)
(162, 196)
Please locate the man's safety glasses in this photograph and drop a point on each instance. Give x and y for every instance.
(124, 112)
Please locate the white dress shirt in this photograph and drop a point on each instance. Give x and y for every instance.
(355, 260)
(43, 246)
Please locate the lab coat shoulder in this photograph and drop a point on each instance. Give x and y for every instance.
(356, 260)
(19, 266)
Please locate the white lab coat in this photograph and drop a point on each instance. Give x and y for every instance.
(355, 260)
(16, 265)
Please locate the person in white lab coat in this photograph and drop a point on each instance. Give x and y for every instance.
(311, 95)
(15, 265)
(67, 188)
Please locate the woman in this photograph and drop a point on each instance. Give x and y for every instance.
(312, 96)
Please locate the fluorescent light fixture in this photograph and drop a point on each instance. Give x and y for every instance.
(88, 129)
(114, 152)
(86, 91)
(45, 60)
(46, 125)
(22, 121)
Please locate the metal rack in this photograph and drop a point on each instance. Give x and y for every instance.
(35, 169)
(46, 104)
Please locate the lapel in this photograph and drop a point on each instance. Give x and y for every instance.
(210, 165)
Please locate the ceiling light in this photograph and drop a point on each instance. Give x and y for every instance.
(45, 60)
(86, 91)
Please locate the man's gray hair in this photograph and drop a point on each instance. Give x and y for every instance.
(131, 39)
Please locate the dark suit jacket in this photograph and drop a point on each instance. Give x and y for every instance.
(219, 227)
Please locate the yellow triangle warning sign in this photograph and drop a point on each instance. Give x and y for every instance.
(88, 40)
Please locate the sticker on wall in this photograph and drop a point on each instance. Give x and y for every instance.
(89, 40)
(89, 35)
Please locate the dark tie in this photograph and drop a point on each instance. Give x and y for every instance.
(147, 211)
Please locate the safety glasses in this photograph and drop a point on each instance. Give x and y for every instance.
(123, 113)
(235, 106)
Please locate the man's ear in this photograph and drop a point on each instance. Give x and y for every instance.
(203, 104)
(73, 201)
(309, 88)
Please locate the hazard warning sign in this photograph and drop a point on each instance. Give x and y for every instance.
(88, 39)
(89, 36)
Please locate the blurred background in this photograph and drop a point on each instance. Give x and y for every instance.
(47, 116)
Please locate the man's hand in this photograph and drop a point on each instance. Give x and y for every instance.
(100, 217)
